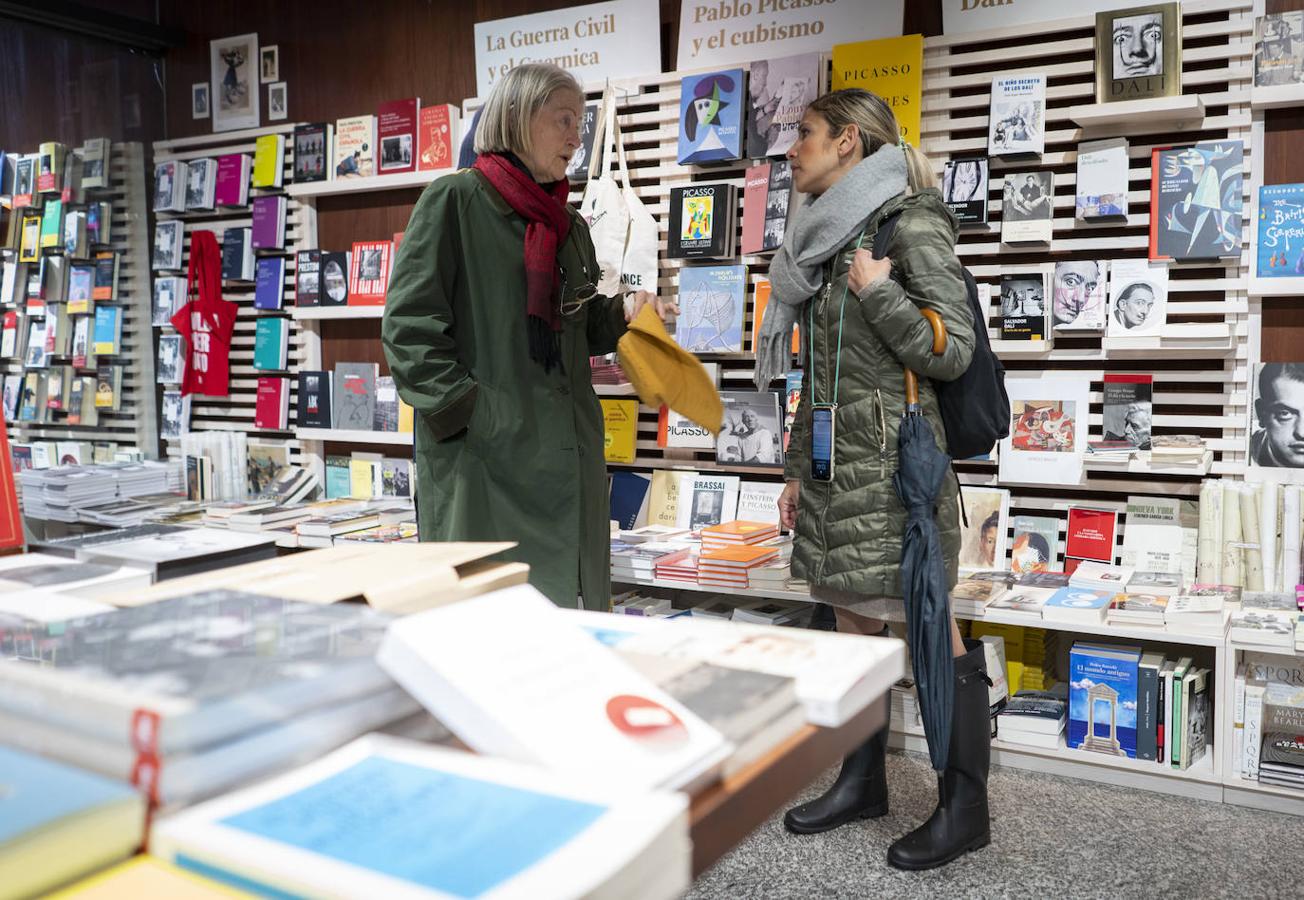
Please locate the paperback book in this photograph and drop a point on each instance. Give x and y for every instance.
(312, 146)
(1103, 698)
(752, 433)
(964, 188)
(1279, 251)
(396, 129)
(1195, 201)
(1128, 409)
(1138, 298)
(307, 278)
(369, 274)
(1101, 191)
(1279, 49)
(712, 302)
(1023, 306)
(437, 137)
(269, 283)
(1018, 115)
(355, 142)
(1036, 544)
(1078, 296)
(1027, 207)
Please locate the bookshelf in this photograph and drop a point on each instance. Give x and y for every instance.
(135, 423)
(367, 185)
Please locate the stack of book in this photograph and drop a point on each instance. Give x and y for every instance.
(737, 534)
(773, 612)
(24, 577)
(649, 533)
(1163, 583)
(1038, 654)
(683, 569)
(1110, 453)
(717, 608)
(1272, 629)
(904, 708)
(370, 802)
(1201, 610)
(166, 551)
(1034, 718)
(219, 687)
(638, 562)
(1137, 609)
(606, 370)
(1281, 754)
(1077, 604)
(321, 530)
(730, 567)
(1022, 602)
(1178, 450)
(635, 604)
(67, 492)
(972, 596)
(1101, 576)
(773, 576)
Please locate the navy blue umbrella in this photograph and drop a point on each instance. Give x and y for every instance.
(921, 466)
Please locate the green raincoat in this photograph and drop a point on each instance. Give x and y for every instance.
(504, 451)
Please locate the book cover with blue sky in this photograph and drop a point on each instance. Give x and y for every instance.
(1102, 676)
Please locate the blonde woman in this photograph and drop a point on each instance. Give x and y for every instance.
(862, 324)
(490, 319)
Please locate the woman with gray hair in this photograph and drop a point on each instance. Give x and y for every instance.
(862, 326)
(490, 319)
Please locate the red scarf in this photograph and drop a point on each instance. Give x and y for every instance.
(547, 224)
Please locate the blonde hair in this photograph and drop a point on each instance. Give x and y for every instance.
(505, 120)
(877, 125)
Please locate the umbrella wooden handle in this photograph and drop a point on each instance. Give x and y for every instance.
(939, 347)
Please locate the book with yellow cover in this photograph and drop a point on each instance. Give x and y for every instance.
(405, 417)
(620, 424)
(893, 68)
(361, 479)
(145, 876)
(269, 160)
(663, 499)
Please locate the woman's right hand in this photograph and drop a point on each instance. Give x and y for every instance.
(788, 504)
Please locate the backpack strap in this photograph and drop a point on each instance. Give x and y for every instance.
(883, 236)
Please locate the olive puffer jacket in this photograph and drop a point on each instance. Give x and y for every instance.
(849, 531)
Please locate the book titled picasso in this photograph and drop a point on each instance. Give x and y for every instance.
(1281, 231)
(710, 117)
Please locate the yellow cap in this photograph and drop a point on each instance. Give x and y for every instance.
(665, 374)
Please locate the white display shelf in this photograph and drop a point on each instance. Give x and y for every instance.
(1276, 287)
(354, 437)
(1276, 96)
(1246, 647)
(1198, 782)
(1141, 465)
(615, 390)
(1160, 112)
(1022, 349)
(1104, 629)
(1244, 792)
(748, 593)
(337, 312)
(366, 185)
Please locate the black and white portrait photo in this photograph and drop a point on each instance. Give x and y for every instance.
(1138, 294)
(269, 64)
(1138, 45)
(1277, 420)
(1023, 295)
(369, 265)
(199, 101)
(753, 429)
(276, 105)
(1028, 196)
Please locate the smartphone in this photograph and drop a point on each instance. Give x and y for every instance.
(821, 444)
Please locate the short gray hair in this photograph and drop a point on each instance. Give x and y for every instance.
(505, 120)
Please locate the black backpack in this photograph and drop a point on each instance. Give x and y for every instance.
(975, 407)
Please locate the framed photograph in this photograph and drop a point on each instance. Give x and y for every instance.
(276, 101)
(269, 64)
(199, 108)
(234, 88)
(982, 543)
(1277, 417)
(1139, 53)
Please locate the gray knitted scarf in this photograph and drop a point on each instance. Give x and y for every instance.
(821, 228)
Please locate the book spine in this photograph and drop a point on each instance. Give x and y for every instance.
(1161, 726)
(1146, 721)
(1175, 720)
(1253, 733)
(1238, 712)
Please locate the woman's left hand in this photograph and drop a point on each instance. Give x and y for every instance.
(661, 307)
(865, 270)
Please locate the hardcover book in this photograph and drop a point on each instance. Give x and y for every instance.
(1091, 534)
(1139, 53)
(171, 359)
(312, 146)
(778, 92)
(396, 130)
(1279, 48)
(1138, 298)
(761, 302)
(1101, 189)
(1195, 201)
(334, 278)
(233, 172)
(169, 238)
(1017, 117)
(710, 117)
(767, 193)
(271, 343)
(269, 282)
(891, 68)
(702, 221)
(1027, 207)
(269, 160)
(386, 416)
(314, 400)
(712, 301)
(1103, 698)
(752, 432)
(307, 278)
(369, 274)
(170, 186)
(964, 188)
(272, 403)
(437, 138)
(1076, 604)
(355, 142)
(237, 255)
(353, 396)
(95, 163)
(1036, 544)
(269, 222)
(706, 500)
(1128, 409)
(201, 184)
(1078, 296)
(1023, 306)
(169, 296)
(1279, 251)
(176, 415)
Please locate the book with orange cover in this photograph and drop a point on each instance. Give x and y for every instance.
(758, 314)
(736, 557)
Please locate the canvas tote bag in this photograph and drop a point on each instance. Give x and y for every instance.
(638, 270)
(603, 205)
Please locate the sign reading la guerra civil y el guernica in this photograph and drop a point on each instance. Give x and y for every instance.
(616, 39)
(728, 32)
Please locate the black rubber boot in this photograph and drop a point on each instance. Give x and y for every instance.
(960, 823)
(860, 791)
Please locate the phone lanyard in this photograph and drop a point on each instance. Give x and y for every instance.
(842, 310)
